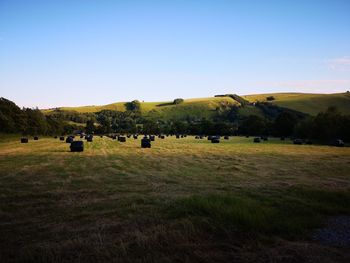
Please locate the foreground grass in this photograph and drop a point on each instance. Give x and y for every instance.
(183, 200)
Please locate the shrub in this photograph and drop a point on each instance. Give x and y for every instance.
(178, 101)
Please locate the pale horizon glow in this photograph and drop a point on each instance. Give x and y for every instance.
(75, 53)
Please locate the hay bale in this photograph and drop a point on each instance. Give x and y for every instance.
(226, 137)
(101, 136)
(135, 136)
(122, 139)
(196, 137)
(128, 136)
(308, 142)
(162, 137)
(338, 143)
(36, 138)
(69, 139)
(298, 141)
(257, 139)
(62, 138)
(145, 143)
(24, 140)
(215, 139)
(177, 136)
(152, 138)
(55, 137)
(77, 146)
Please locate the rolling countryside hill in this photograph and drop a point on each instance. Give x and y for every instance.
(205, 107)
(306, 102)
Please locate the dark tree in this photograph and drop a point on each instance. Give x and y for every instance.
(178, 101)
(90, 127)
(284, 124)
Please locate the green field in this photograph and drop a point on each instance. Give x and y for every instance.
(183, 200)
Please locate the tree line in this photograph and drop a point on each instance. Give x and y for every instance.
(275, 121)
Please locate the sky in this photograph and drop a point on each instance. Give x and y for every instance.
(70, 53)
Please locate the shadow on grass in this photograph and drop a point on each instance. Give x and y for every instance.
(292, 214)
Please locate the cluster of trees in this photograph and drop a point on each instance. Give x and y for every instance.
(325, 126)
(276, 121)
(30, 121)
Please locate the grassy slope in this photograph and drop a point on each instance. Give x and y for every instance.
(200, 107)
(204, 107)
(308, 103)
(232, 202)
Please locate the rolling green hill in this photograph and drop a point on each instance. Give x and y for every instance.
(205, 107)
(199, 107)
(306, 102)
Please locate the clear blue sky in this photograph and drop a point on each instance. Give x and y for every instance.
(67, 53)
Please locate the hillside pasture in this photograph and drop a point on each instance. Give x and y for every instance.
(305, 102)
(183, 200)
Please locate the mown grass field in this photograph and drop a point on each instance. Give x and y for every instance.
(183, 200)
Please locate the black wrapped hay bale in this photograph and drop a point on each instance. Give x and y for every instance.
(197, 137)
(24, 140)
(69, 139)
(162, 137)
(308, 142)
(257, 139)
(298, 141)
(55, 137)
(77, 146)
(36, 138)
(226, 137)
(135, 137)
(145, 143)
(215, 139)
(61, 138)
(122, 139)
(177, 136)
(152, 138)
(338, 143)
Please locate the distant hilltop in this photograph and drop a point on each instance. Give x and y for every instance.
(205, 107)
